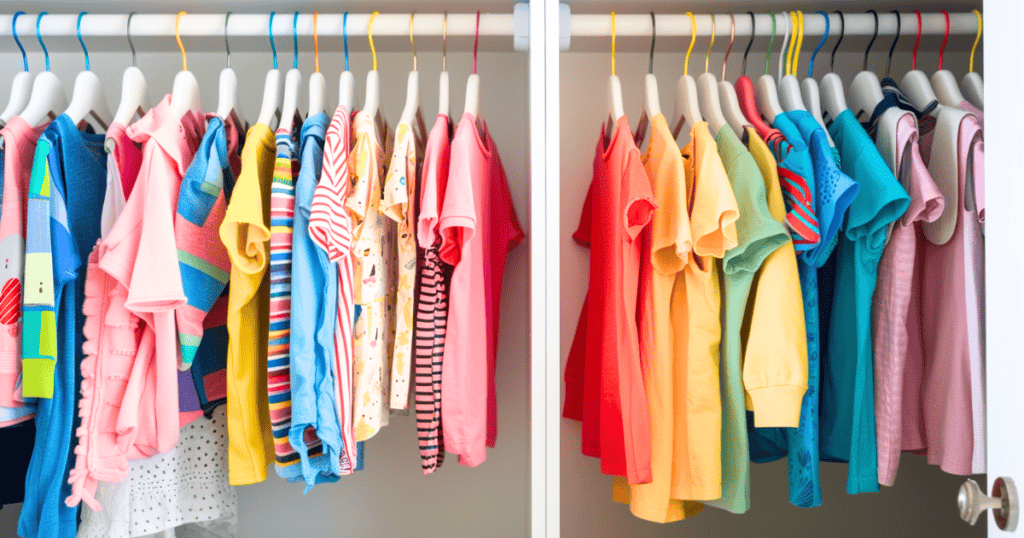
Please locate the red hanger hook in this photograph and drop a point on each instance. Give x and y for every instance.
(913, 61)
(942, 49)
(476, 40)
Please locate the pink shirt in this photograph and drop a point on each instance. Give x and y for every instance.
(478, 227)
(19, 148)
(892, 292)
(943, 371)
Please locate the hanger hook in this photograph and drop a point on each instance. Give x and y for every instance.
(693, 39)
(78, 29)
(412, 42)
(873, 37)
(270, 33)
(39, 36)
(369, 35)
(128, 32)
(810, 66)
(476, 39)
(790, 32)
(732, 37)
(771, 44)
(344, 36)
(917, 41)
(444, 43)
(613, 43)
(753, 31)
(295, 40)
(24, 57)
(945, 38)
(316, 44)
(842, 34)
(899, 23)
(654, 34)
(707, 55)
(227, 46)
(177, 36)
(970, 69)
(799, 42)
(784, 48)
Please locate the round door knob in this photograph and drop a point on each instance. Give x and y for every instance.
(972, 501)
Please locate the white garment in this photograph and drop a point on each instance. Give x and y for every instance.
(184, 492)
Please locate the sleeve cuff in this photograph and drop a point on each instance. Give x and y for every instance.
(777, 407)
(37, 378)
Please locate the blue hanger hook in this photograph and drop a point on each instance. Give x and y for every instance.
(80, 40)
(810, 67)
(344, 36)
(270, 32)
(14, 32)
(295, 40)
(39, 36)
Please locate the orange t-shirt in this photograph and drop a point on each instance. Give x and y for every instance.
(603, 378)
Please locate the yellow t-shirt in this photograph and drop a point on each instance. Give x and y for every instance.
(245, 235)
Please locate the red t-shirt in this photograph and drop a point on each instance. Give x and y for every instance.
(604, 386)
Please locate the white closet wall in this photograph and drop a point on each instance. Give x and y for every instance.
(923, 503)
(391, 497)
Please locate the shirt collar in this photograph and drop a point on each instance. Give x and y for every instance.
(178, 137)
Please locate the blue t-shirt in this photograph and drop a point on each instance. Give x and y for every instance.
(314, 308)
(848, 402)
(76, 165)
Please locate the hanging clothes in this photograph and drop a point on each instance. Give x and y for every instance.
(373, 250)
(433, 281)
(603, 377)
(245, 234)
(330, 229)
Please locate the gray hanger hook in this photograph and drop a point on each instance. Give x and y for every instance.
(227, 46)
(128, 32)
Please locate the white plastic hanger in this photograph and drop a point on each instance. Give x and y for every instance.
(473, 83)
(615, 108)
(292, 83)
(809, 86)
(412, 111)
(134, 93)
(765, 94)
(442, 92)
(88, 98)
(726, 92)
(21, 86)
(271, 86)
(228, 91)
(833, 101)
(687, 108)
(789, 86)
(317, 82)
(972, 85)
(866, 90)
(943, 81)
(707, 92)
(652, 105)
(185, 92)
(47, 99)
(346, 85)
(915, 84)
(371, 103)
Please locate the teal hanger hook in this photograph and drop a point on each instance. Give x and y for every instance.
(270, 32)
(39, 36)
(78, 28)
(295, 40)
(14, 32)
(828, 24)
(344, 36)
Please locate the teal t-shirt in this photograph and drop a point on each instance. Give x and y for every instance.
(758, 234)
(847, 400)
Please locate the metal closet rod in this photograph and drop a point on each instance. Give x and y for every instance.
(676, 24)
(255, 25)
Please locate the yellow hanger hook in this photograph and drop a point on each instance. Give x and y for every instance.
(613, 43)
(369, 33)
(977, 38)
(791, 37)
(412, 42)
(799, 41)
(711, 44)
(316, 45)
(693, 39)
(184, 57)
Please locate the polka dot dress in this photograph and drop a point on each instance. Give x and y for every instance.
(187, 486)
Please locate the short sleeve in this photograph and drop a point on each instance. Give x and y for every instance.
(361, 159)
(582, 233)
(638, 198)
(458, 215)
(714, 211)
(243, 232)
(671, 237)
(396, 183)
(758, 234)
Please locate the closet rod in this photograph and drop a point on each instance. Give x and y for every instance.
(255, 25)
(676, 24)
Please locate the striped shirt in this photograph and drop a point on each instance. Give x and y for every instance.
(330, 228)
(282, 215)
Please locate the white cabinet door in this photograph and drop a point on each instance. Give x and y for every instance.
(1004, 228)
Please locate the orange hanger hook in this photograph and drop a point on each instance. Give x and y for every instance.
(177, 36)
